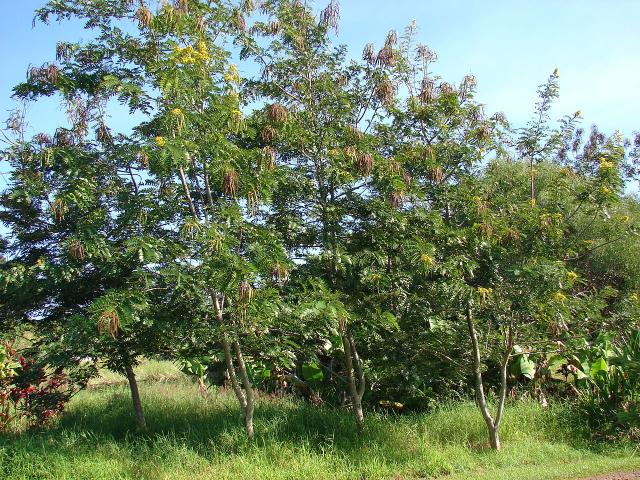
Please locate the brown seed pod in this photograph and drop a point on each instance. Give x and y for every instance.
(406, 178)
(427, 91)
(486, 230)
(43, 140)
(277, 113)
(280, 274)
(396, 199)
(356, 133)
(350, 152)
(230, 183)
(365, 163)
(143, 158)
(63, 51)
(330, 16)
(103, 134)
(253, 202)
(425, 55)
(299, 42)
(268, 158)
(394, 166)
(273, 28)
(181, 6)
(144, 16)
(468, 85)
(77, 250)
(63, 137)
(386, 57)
(445, 88)
(435, 174)
(268, 134)
(200, 24)
(368, 54)
(392, 38)
(58, 209)
(110, 322)
(239, 21)
(384, 92)
(245, 294)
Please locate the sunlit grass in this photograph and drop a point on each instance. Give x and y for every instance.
(191, 437)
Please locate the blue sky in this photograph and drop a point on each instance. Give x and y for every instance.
(510, 46)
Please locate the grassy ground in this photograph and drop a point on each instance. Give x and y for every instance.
(194, 438)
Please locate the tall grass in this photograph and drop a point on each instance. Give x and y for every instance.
(191, 437)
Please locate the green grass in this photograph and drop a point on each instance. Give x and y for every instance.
(193, 438)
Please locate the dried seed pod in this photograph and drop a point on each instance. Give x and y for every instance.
(384, 92)
(394, 166)
(330, 16)
(386, 57)
(58, 209)
(200, 24)
(103, 134)
(181, 6)
(427, 91)
(253, 202)
(63, 51)
(355, 132)
(397, 199)
(486, 230)
(299, 42)
(77, 250)
(365, 163)
(268, 158)
(350, 152)
(280, 274)
(484, 132)
(239, 21)
(144, 16)
(406, 178)
(63, 137)
(467, 86)
(368, 54)
(392, 38)
(268, 134)
(230, 183)
(445, 88)
(143, 158)
(110, 322)
(43, 140)
(277, 113)
(481, 206)
(425, 55)
(435, 174)
(245, 294)
(273, 28)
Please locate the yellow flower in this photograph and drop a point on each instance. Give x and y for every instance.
(176, 112)
(559, 297)
(232, 75)
(426, 259)
(572, 276)
(605, 190)
(160, 141)
(605, 164)
(40, 262)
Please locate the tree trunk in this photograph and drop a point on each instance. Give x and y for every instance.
(231, 370)
(355, 392)
(248, 390)
(135, 397)
(494, 439)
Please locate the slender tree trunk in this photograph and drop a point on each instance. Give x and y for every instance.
(135, 397)
(355, 392)
(248, 390)
(494, 438)
(231, 370)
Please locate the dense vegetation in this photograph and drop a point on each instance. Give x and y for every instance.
(356, 233)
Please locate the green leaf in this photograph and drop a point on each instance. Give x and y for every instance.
(312, 372)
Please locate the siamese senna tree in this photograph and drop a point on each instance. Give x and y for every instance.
(203, 155)
(318, 126)
(524, 252)
(79, 248)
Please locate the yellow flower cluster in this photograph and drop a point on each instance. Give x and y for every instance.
(572, 276)
(189, 55)
(605, 164)
(559, 297)
(232, 75)
(426, 259)
(160, 141)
